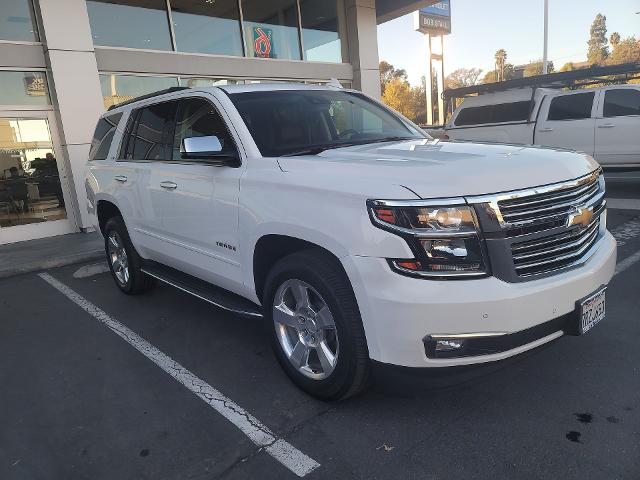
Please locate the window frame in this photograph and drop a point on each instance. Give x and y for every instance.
(133, 121)
(494, 106)
(225, 124)
(604, 102)
(592, 111)
(114, 117)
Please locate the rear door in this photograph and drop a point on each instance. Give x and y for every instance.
(618, 127)
(148, 141)
(567, 121)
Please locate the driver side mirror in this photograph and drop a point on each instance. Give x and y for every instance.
(208, 148)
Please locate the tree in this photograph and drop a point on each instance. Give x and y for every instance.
(568, 67)
(625, 51)
(614, 39)
(398, 95)
(388, 73)
(501, 58)
(492, 76)
(463, 77)
(598, 48)
(535, 68)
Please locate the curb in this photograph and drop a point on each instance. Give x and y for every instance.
(52, 263)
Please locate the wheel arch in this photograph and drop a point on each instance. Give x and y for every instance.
(106, 209)
(271, 248)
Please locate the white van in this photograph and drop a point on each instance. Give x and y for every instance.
(603, 122)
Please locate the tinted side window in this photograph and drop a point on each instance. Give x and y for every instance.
(498, 113)
(199, 118)
(151, 137)
(621, 102)
(103, 137)
(571, 107)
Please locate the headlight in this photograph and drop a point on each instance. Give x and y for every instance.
(444, 238)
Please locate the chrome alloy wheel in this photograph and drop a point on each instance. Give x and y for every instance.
(305, 329)
(118, 258)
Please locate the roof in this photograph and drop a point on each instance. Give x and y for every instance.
(569, 79)
(239, 88)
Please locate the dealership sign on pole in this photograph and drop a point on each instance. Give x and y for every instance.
(435, 19)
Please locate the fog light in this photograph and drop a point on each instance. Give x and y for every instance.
(448, 345)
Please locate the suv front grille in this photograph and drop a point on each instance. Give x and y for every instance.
(543, 230)
(554, 251)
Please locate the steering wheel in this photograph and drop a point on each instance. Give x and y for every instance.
(349, 131)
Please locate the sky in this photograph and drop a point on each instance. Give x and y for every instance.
(480, 28)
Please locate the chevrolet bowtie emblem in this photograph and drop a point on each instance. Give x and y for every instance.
(580, 216)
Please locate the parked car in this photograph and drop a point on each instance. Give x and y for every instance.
(602, 122)
(355, 236)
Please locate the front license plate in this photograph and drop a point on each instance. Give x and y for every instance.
(592, 310)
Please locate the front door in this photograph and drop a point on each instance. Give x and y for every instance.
(34, 193)
(196, 202)
(567, 121)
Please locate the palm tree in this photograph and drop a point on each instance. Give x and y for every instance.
(501, 58)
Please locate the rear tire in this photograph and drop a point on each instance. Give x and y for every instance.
(124, 262)
(317, 336)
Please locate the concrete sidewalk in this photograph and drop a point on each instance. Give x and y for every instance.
(44, 253)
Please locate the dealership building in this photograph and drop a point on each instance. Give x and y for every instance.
(64, 62)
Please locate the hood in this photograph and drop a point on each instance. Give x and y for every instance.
(443, 169)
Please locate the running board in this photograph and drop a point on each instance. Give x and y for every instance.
(203, 290)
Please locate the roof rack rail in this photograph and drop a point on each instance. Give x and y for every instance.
(148, 95)
(570, 79)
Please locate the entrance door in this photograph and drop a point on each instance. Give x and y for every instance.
(34, 193)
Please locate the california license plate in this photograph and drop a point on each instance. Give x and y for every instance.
(592, 310)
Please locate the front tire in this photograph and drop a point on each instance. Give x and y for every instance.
(124, 262)
(315, 324)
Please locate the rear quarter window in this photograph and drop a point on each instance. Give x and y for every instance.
(496, 113)
(103, 136)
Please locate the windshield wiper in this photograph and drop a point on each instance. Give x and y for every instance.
(306, 151)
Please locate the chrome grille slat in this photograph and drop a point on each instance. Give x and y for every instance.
(580, 239)
(552, 262)
(564, 205)
(548, 197)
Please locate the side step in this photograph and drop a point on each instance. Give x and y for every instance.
(217, 296)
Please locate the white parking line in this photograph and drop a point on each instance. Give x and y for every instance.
(259, 434)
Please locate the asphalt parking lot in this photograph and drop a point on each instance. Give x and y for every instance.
(83, 397)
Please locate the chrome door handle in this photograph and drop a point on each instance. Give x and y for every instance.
(120, 178)
(547, 129)
(606, 125)
(169, 185)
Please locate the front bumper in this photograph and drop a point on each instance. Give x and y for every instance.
(399, 312)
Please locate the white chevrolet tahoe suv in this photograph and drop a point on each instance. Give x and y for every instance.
(357, 237)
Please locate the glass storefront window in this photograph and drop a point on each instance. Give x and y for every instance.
(130, 23)
(121, 88)
(16, 21)
(323, 27)
(271, 29)
(207, 27)
(23, 88)
(30, 190)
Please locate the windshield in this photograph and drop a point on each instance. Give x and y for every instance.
(299, 122)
